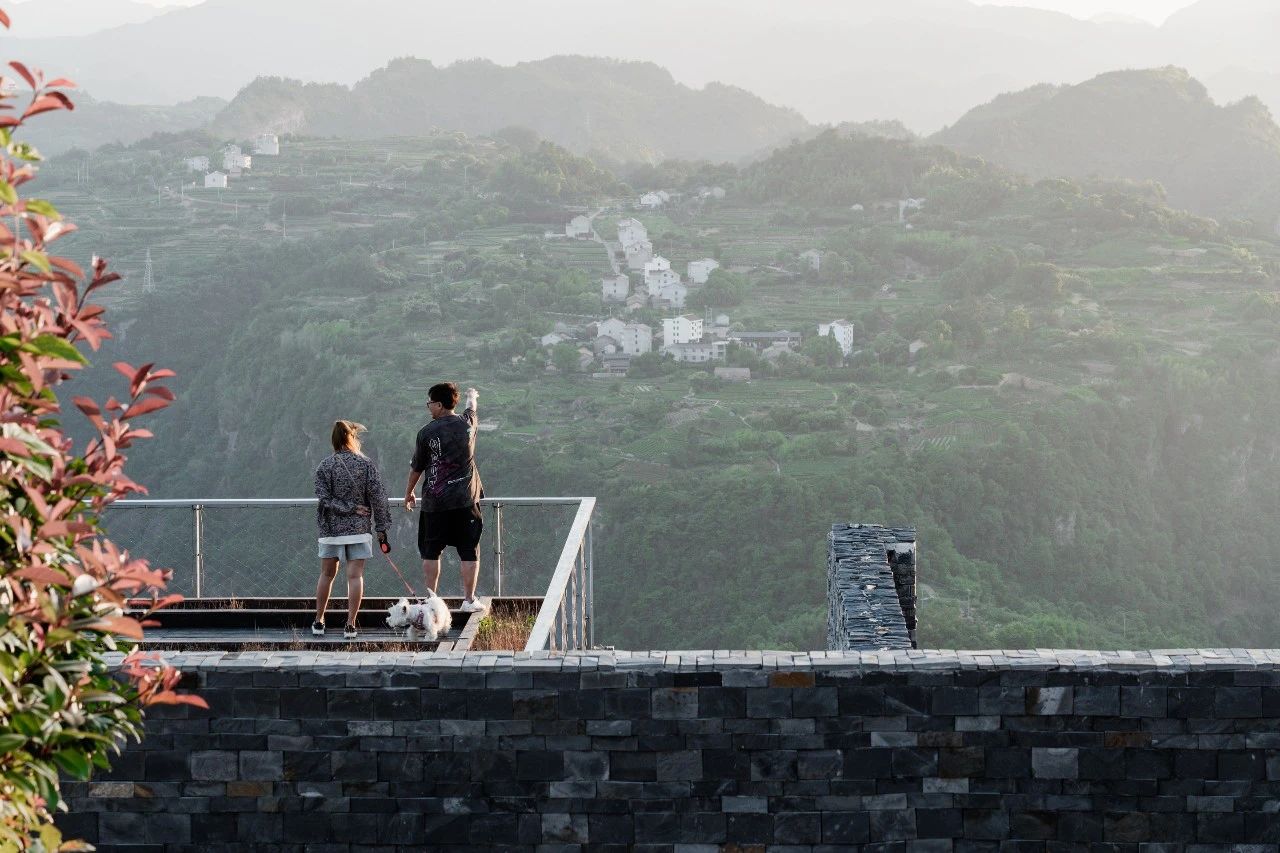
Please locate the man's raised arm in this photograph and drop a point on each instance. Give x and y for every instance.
(409, 499)
(472, 397)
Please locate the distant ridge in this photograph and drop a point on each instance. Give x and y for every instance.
(924, 61)
(1148, 125)
(94, 123)
(623, 110)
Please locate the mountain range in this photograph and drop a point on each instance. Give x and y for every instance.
(622, 110)
(1153, 125)
(923, 61)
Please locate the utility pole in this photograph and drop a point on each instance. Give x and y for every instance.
(284, 219)
(148, 275)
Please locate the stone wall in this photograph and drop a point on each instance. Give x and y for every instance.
(871, 587)
(699, 751)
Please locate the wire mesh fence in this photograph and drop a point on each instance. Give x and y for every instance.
(249, 549)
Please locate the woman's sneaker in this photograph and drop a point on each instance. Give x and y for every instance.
(317, 628)
(349, 632)
(471, 605)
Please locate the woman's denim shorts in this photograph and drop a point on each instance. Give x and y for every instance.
(350, 551)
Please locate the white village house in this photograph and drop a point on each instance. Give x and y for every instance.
(700, 271)
(842, 331)
(631, 231)
(681, 330)
(632, 338)
(909, 204)
(813, 258)
(659, 275)
(698, 351)
(578, 228)
(215, 180)
(638, 254)
(615, 288)
(197, 164)
(234, 158)
(636, 246)
(267, 144)
(670, 294)
(654, 200)
(761, 341)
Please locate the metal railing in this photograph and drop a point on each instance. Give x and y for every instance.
(564, 621)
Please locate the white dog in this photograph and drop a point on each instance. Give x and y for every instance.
(429, 619)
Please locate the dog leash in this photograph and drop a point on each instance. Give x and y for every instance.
(396, 569)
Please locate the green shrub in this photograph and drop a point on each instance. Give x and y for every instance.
(64, 589)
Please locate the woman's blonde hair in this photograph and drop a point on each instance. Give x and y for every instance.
(346, 436)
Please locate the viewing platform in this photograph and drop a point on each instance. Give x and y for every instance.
(242, 578)
(284, 624)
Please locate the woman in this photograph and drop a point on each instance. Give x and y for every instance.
(348, 489)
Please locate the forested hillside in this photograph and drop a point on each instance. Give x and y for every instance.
(623, 110)
(94, 123)
(1154, 125)
(1071, 388)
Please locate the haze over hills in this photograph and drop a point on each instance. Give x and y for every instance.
(1155, 124)
(923, 61)
(94, 123)
(626, 110)
(53, 18)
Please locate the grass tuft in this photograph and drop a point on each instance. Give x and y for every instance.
(505, 631)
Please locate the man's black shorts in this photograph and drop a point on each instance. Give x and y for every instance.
(459, 528)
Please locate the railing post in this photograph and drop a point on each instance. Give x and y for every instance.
(198, 509)
(497, 545)
(580, 597)
(564, 627)
(591, 592)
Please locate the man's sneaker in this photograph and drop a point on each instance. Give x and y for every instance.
(349, 632)
(317, 628)
(472, 605)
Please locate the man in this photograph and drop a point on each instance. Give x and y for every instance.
(446, 452)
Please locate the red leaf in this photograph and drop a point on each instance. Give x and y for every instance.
(89, 407)
(119, 625)
(60, 83)
(14, 447)
(26, 75)
(69, 266)
(42, 574)
(48, 103)
(168, 697)
(126, 368)
(162, 392)
(139, 377)
(10, 121)
(162, 373)
(4, 19)
(142, 407)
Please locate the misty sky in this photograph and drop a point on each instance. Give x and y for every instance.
(1155, 11)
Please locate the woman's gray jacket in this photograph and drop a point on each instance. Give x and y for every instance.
(345, 481)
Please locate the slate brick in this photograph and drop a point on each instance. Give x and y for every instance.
(540, 765)
(1143, 701)
(846, 827)
(961, 763)
(214, 765)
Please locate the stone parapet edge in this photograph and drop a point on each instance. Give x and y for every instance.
(904, 660)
